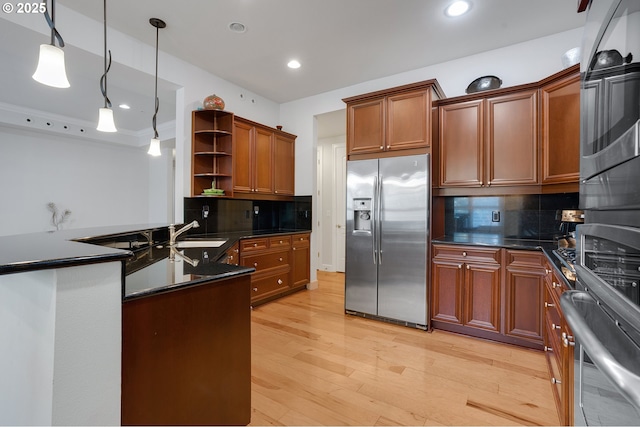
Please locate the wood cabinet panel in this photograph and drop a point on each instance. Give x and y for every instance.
(263, 161)
(186, 356)
(482, 293)
(447, 289)
(301, 260)
(366, 127)
(461, 144)
(242, 157)
(560, 130)
(284, 165)
(512, 139)
(524, 283)
(407, 121)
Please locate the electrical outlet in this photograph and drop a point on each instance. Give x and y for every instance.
(495, 216)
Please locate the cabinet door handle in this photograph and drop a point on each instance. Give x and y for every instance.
(464, 254)
(467, 266)
(382, 147)
(255, 264)
(255, 245)
(280, 259)
(547, 304)
(547, 348)
(555, 381)
(459, 265)
(255, 289)
(554, 326)
(280, 241)
(279, 281)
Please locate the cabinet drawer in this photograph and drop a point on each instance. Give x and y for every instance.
(279, 242)
(269, 285)
(526, 259)
(266, 261)
(558, 286)
(254, 245)
(465, 253)
(300, 241)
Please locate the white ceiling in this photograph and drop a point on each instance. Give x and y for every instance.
(338, 42)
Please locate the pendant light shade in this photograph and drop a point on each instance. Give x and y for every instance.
(51, 70)
(105, 118)
(154, 147)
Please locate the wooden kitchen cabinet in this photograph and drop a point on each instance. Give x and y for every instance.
(391, 120)
(301, 260)
(186, 356)
(558, 346)
(284, 164)
(212, 148)
(252, 158)
(241, 157)
(264, 160)
(466, 287)
(282, 265)
(560, 128)
(490, 293)
(489, 141)
(524, 287)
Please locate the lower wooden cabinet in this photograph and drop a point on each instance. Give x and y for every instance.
(491, 293)
(558, 346)
(466, 283)
(524, 276)
(282, 264)
(186, 356)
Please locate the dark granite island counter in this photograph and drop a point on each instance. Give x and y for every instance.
(63, 318)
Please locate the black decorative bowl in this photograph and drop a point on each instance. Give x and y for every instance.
(484, 83)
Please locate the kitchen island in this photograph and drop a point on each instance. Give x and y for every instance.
(65, 306)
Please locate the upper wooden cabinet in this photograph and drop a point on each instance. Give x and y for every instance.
(391, 120)
(241, 157)
(523, 139)
(252, 158)
(489, 141)
(560, 128)
(284, 164)
(212, 148)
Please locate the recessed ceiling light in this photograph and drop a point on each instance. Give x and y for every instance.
(457, 8)
(124, 106)
(237, 27)
(293, 64)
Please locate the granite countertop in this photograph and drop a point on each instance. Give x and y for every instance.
(480, 239)
(148, 270)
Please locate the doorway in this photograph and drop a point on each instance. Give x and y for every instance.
(331, 185)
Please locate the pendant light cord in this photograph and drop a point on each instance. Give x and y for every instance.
(107, 66)
(51, 20)
(155, 115)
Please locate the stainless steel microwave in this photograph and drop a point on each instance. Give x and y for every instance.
(610, 107)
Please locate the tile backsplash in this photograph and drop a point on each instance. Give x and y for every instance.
(534, 217)
(231, 215)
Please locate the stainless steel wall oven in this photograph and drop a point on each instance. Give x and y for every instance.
(604, 310)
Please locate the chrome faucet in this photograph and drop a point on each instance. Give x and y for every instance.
(173, 234)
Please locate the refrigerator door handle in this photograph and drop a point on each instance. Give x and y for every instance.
(379, 220)
(374, 244)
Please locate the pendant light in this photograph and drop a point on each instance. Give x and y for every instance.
(154, 146)
(105, 118)
(51, 70)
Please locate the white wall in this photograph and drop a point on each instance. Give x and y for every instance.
(517, 64)
(60, 334)
(102, 184)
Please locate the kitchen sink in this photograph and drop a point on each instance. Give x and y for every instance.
(208, 243)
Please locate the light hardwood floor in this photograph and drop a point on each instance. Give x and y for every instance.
(314, 365)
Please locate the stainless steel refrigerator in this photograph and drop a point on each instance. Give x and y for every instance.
(387, 238)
